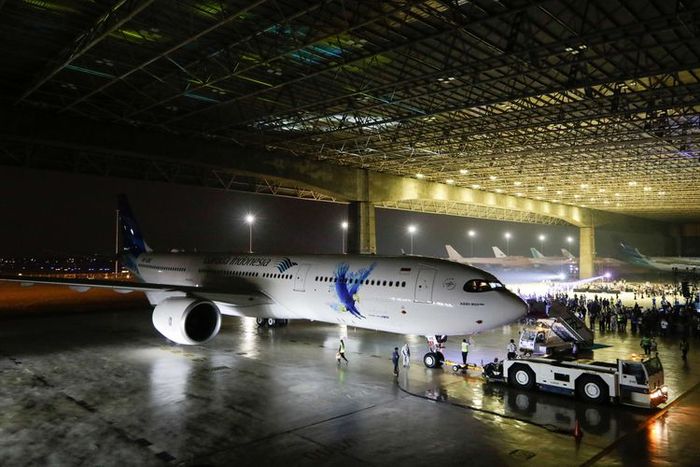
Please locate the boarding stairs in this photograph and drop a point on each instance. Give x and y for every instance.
(569, 327)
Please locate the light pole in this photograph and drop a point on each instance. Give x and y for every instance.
(411, 231)
(569, 241)
(471, 234)
(344, 229)
(116, 245)
(249, 219)
(507, 235)
(542, 238)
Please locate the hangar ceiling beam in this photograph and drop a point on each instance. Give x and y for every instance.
(342, 183)
(240, 71)
(343, 64)
(476, 75)
(119, 14)
(164, 54)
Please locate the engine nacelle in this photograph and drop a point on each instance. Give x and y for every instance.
(187, 321)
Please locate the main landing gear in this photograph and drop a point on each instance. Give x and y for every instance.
(271, 322)
(435, 356)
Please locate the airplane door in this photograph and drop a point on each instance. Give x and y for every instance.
(424, 285)
(300, 277)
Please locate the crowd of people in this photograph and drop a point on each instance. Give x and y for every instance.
(668, 314)
(640, 290)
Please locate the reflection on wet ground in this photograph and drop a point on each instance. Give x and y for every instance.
(106, 389)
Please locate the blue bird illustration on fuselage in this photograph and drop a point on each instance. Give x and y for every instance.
(347, 284)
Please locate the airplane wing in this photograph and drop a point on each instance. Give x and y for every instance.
(236, 288)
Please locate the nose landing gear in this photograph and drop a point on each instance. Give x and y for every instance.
(435, 356)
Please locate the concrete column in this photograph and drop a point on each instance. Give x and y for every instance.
(586, 252)
(362, 236)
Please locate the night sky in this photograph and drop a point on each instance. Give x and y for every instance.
(48, 213)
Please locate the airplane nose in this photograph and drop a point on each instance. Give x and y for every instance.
(517, 308)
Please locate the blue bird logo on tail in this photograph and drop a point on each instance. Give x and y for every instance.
(347, 285)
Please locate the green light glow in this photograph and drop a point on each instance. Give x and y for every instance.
(139, 36)
(51, 6)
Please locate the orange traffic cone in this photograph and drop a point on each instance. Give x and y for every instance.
(578, 433)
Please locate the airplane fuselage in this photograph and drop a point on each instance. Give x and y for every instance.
(406, 294)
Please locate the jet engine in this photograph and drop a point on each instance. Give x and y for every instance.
(186, 320)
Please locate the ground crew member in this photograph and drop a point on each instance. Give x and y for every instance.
(645, 343)
(341, 352)
(511, 350)
(395, 360)
(465, 351)
(406, 355)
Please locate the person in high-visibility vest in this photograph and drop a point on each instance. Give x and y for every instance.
(465, 351)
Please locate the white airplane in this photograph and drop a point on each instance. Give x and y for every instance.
(405, 294)
(499, 259)
(540, 259)
(660, 263)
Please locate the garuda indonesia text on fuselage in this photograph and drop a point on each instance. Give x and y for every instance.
(406, 294)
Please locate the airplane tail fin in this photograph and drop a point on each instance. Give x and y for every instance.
(567, 254)
(133, 243)
(497, 252)
(632, 255)
(536, 253)
(452, 253)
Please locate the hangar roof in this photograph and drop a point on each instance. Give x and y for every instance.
(592, 103)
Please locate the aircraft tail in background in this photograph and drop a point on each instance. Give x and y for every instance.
(498, 253)
(535, 253)
(632, 255)
(452, 253)
(567, 254)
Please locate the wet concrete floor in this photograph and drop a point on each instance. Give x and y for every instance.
(105, 388)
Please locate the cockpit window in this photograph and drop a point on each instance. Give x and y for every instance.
(481, 285)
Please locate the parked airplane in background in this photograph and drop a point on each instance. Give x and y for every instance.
(660, 263)
(567, 254)
(539, 258)
(500, 259)
(406, 294)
